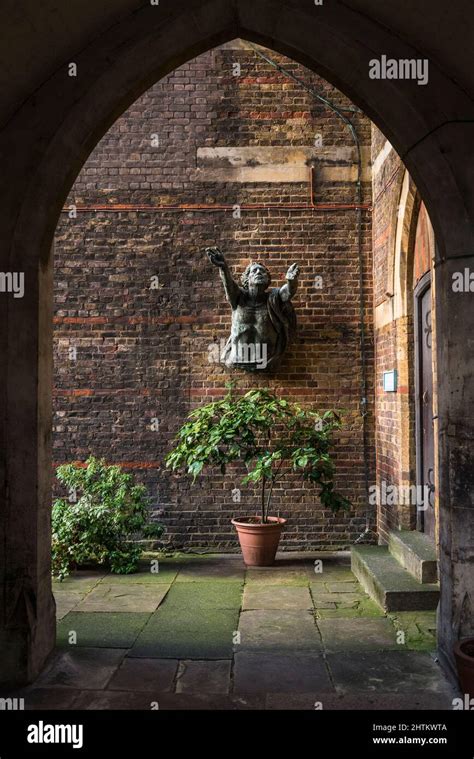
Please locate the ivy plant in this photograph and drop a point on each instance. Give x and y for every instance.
(97, 523)
(270, 435)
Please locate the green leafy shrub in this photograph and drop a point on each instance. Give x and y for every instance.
(271, 435)
(98, 527)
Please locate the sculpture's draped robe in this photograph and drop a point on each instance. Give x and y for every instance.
(282, 316)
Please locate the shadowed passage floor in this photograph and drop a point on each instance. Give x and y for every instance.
(205, 632)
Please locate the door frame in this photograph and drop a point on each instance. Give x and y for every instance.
(420, 289)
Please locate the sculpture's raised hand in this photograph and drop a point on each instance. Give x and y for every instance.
(293, 272)
(216, 257)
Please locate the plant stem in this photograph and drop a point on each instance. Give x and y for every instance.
(263, 499)
(270, 493)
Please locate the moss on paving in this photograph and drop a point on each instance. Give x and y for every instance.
(276, 576)
(101, 629)
(211, 573)
(332, 574)
(205, 595)
(419, 628)
(366, 608)
(343, 587)
(336, 600)
(283, 597)
(188, 634)
(198, 567)
(342, 600)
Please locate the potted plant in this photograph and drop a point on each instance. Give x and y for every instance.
(273, 437)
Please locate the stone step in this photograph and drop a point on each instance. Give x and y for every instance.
(388, 583)
(416, 553)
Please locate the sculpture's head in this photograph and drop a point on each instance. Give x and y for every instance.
(255, 275)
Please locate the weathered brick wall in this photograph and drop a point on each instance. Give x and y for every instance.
(128, 352)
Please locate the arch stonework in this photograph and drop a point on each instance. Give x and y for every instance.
(397, 312)
(49, 125)
(401, 273)
(394, 326)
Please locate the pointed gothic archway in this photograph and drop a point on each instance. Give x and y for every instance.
(49, 125)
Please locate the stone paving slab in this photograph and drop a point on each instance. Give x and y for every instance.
(182, 559)
(277, 631)
(412, 701)
(147, 574)
(66, 601)
(364, 608)
(200, 677)
(311, 701)
(90, 700)
(293, 598)
(54, 699)
(204, 595)
(80, 581)
(81, 668)
(319, 604)
(334, 573)
(291, 559)
(342, 600)
(343, 587)
(419, 628)
(138, 659)
(358, 635)
(231, 570)
(343, 604)
(101, 630)
(276, 576)
(123, 597)
(259, 672)
(185, 634)
(396, 672)
(150, 675)
(66, 699)
(124, 700)
(333, 557)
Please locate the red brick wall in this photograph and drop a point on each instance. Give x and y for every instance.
(143, 354)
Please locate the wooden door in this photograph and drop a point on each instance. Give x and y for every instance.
(424, 404)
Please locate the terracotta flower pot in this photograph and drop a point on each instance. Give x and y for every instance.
(464, 655)
(259, 542)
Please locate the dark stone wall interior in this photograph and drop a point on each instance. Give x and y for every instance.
(138, 307)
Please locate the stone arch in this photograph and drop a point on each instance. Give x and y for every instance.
(118, 56)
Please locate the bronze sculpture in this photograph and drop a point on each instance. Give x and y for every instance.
(263, 321)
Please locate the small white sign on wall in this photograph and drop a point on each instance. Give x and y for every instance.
(390, 381)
